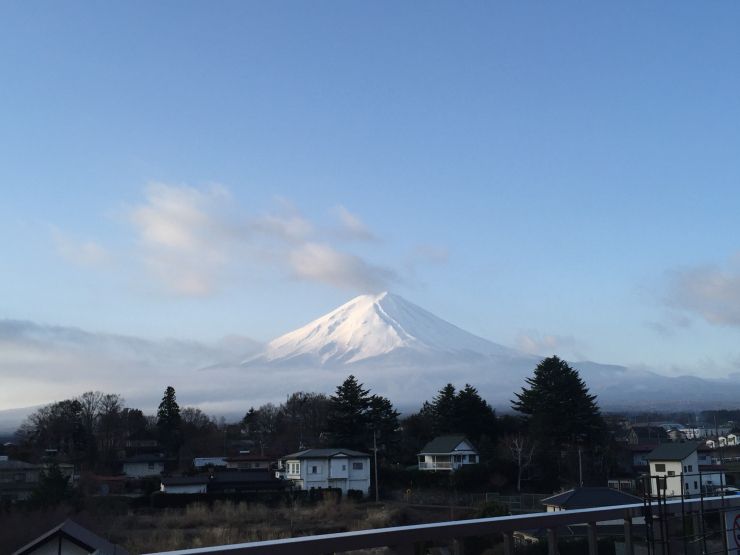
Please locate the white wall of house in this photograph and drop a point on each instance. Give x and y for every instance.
(340, 471)
(143, 469)
(672, 471)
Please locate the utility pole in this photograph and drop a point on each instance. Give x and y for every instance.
(375, 457)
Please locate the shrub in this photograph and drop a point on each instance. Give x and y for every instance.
(355, 494)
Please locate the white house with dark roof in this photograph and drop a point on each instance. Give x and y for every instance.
(344, 469)
(674, 467)
(448, 453)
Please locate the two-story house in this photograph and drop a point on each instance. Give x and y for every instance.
(674, 467)
(18, 479)
(447, 453)
(344, 469)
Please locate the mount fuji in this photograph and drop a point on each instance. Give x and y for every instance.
(404, 351)
(375, 328)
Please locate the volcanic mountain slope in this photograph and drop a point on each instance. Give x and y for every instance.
(377, 328)
(399, 349)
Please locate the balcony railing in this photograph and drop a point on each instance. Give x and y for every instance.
(435, 465)
(401, 539)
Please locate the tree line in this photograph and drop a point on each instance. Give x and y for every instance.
(555, 417)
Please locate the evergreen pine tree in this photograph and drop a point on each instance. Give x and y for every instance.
(383, 420)
(169, 421)
(348, 418)
(558, 407)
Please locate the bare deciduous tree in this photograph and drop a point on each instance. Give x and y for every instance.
(521, 449)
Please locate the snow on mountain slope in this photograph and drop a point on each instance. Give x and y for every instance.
(371, 326)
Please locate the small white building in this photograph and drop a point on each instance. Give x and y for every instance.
(732, 439)
(184, 484)
(447, 453)
(344, 469)
(674, 467)
(142, 466)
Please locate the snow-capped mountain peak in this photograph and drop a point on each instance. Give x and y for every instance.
(371, 326)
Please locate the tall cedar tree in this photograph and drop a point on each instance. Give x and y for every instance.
(348, 418)
(557, 406)
(383, 420)
(169, 422)
(460, 412)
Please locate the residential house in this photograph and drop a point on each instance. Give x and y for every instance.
(447, 453)
(246, 481)
(225, 481)
(69, 538)
(344, 469)
(142, 466)
(589, 497)
(18, 479)
(732, 439)
(674, 468)
(248, 462)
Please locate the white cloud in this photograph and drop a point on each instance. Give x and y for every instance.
(534, 343)
(197, 241)
(83, 253)
(352, 226)
(322, 263)
(709, 292)
(184, 236)
(191, 240)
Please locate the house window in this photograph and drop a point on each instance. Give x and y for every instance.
(472, 458)
(691, 468)
(458, 458)
(344, 467)
(356, 466)
(671, 473)
(314, 470)
(659, 467)
(695, 486)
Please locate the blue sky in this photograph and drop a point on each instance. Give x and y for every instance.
(562, 177)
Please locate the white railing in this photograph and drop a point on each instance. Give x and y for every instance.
(435, 465)
(401, 539)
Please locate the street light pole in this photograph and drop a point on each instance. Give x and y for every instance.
(375, 457)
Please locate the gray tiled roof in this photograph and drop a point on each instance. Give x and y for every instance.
(78, 535)
(585, 498)
(324, 453)
(444, 444)
(672, 451)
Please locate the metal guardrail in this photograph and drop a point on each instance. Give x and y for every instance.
(401, 539)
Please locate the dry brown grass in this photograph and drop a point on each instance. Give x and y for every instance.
(225, 522)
